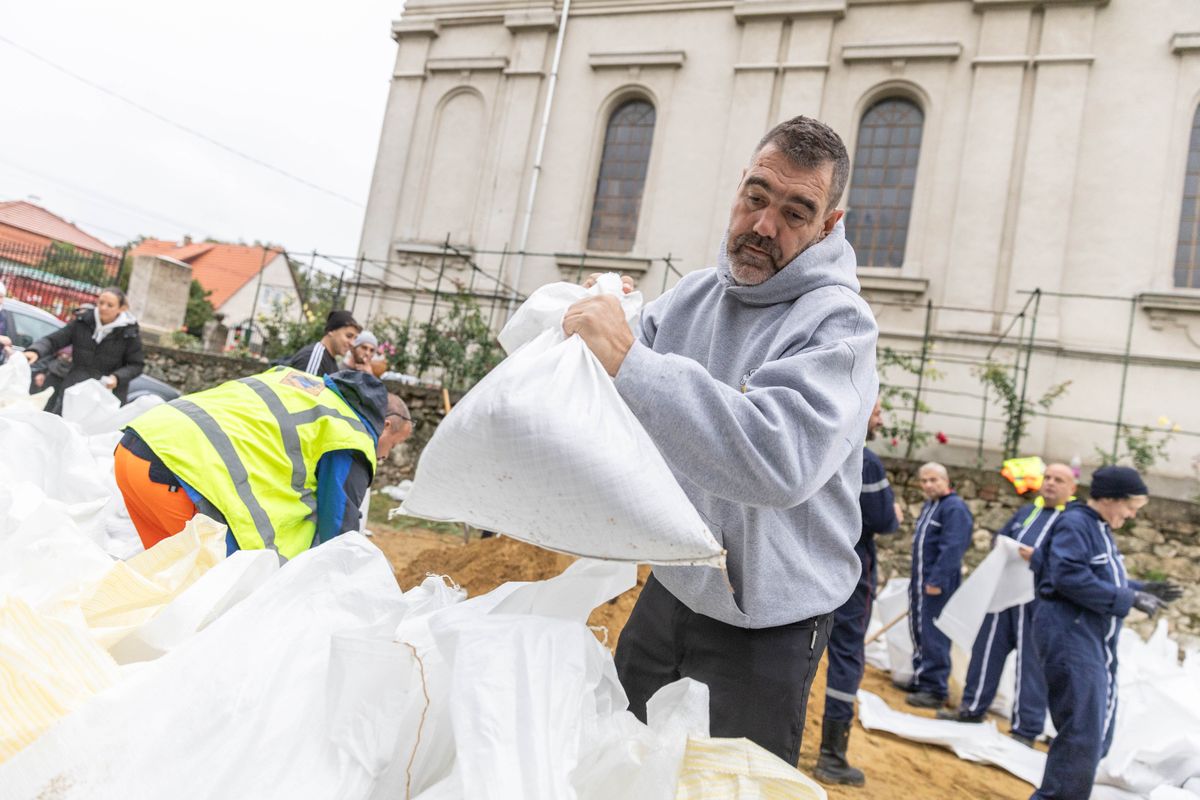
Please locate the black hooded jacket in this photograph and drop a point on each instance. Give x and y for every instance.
(119, 354)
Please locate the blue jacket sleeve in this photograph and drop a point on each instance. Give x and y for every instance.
(342, 481)
(1071, 575)
(877, 501)
(957, 526)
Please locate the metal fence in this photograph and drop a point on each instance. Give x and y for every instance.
(409, 292)
(56, 277)
(940, 380)
(422, 276)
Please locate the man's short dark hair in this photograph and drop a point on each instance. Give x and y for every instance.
(810, 143)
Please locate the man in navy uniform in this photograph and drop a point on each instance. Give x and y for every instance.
(1084, 594)
(880, 514)
(942, 535)
(1012, 628)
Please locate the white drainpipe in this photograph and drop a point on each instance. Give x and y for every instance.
(537, 159)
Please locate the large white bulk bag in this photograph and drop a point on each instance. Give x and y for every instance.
(544, 450)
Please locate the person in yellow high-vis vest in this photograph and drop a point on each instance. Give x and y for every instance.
(283, 458)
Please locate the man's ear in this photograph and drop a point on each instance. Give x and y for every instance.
(832, 219)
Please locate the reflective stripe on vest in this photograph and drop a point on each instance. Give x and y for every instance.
(258, 468)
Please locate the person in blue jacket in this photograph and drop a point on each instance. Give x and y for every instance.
(1012, 629)
(1084, 594)
(880, 514)
(942, 535)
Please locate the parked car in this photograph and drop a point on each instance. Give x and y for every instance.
(27, 324)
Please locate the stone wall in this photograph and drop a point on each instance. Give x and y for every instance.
(1161, 542)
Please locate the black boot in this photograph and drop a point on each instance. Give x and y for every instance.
(832, 766)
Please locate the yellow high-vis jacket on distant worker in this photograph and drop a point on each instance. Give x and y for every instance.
(251, 448)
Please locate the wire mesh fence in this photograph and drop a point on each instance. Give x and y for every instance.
(437, 308)
(56, 277)
(1009, 394)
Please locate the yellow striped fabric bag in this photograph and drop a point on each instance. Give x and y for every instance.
(738, 769)
(48, 668)
(134, 591)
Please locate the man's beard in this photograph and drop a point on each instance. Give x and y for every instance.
(768, 246)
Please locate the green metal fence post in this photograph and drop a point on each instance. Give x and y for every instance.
(1124, 374)
(912, 427)
(1037, 295)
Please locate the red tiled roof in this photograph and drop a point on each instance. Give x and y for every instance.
(37, 220)
(221, 268)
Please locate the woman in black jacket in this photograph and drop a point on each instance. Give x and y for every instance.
(105, 342)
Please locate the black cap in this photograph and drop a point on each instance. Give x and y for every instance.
(340, 319)
(365, 393)
(1117, 482)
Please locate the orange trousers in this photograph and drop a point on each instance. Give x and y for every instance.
(157, 511)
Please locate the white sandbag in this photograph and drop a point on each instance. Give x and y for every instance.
(95, 409)
(974, 742)
(1001, 580)
(544, 449)
(890, 603)
(53, 456)
(635, 760)
(1157, 736)
(14, 385)
(544, 309)
(238, 710)
(216, 591)
(379, 692)
(44, 559)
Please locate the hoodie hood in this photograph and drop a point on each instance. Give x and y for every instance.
(100, 330)
(829, 262)
(365, 393)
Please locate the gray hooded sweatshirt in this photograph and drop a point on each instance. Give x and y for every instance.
(758, 399)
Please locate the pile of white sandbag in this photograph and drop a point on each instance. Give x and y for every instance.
(181, 673)
(67, 459)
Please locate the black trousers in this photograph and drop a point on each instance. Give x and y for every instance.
(758, 679)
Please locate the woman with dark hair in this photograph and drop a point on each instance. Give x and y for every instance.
(106, 345)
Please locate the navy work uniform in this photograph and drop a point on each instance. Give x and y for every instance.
(1010, 629)
(846, 656)
(942, 535)
(1084, 593)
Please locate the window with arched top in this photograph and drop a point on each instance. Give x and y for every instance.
(882, 183)
(1187, 249)
(622, 177)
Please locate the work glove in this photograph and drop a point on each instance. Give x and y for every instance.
(1163, 590)
(1146, 603)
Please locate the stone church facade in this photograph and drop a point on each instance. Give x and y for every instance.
(998, 146)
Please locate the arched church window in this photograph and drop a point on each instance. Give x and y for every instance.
(622, 177)
(882, 182)
(1187, 249)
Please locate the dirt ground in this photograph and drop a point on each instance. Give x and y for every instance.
(895, 768)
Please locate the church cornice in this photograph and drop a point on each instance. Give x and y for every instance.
(672, 59)
(984, 4)
(901, 51)
(744, 10)
(1185, 43)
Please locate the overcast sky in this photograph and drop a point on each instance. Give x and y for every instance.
(299, 84)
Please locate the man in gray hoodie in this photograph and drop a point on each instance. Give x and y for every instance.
(755, 380)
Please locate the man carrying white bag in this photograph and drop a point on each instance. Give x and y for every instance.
(543, 449)
(755, 380)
